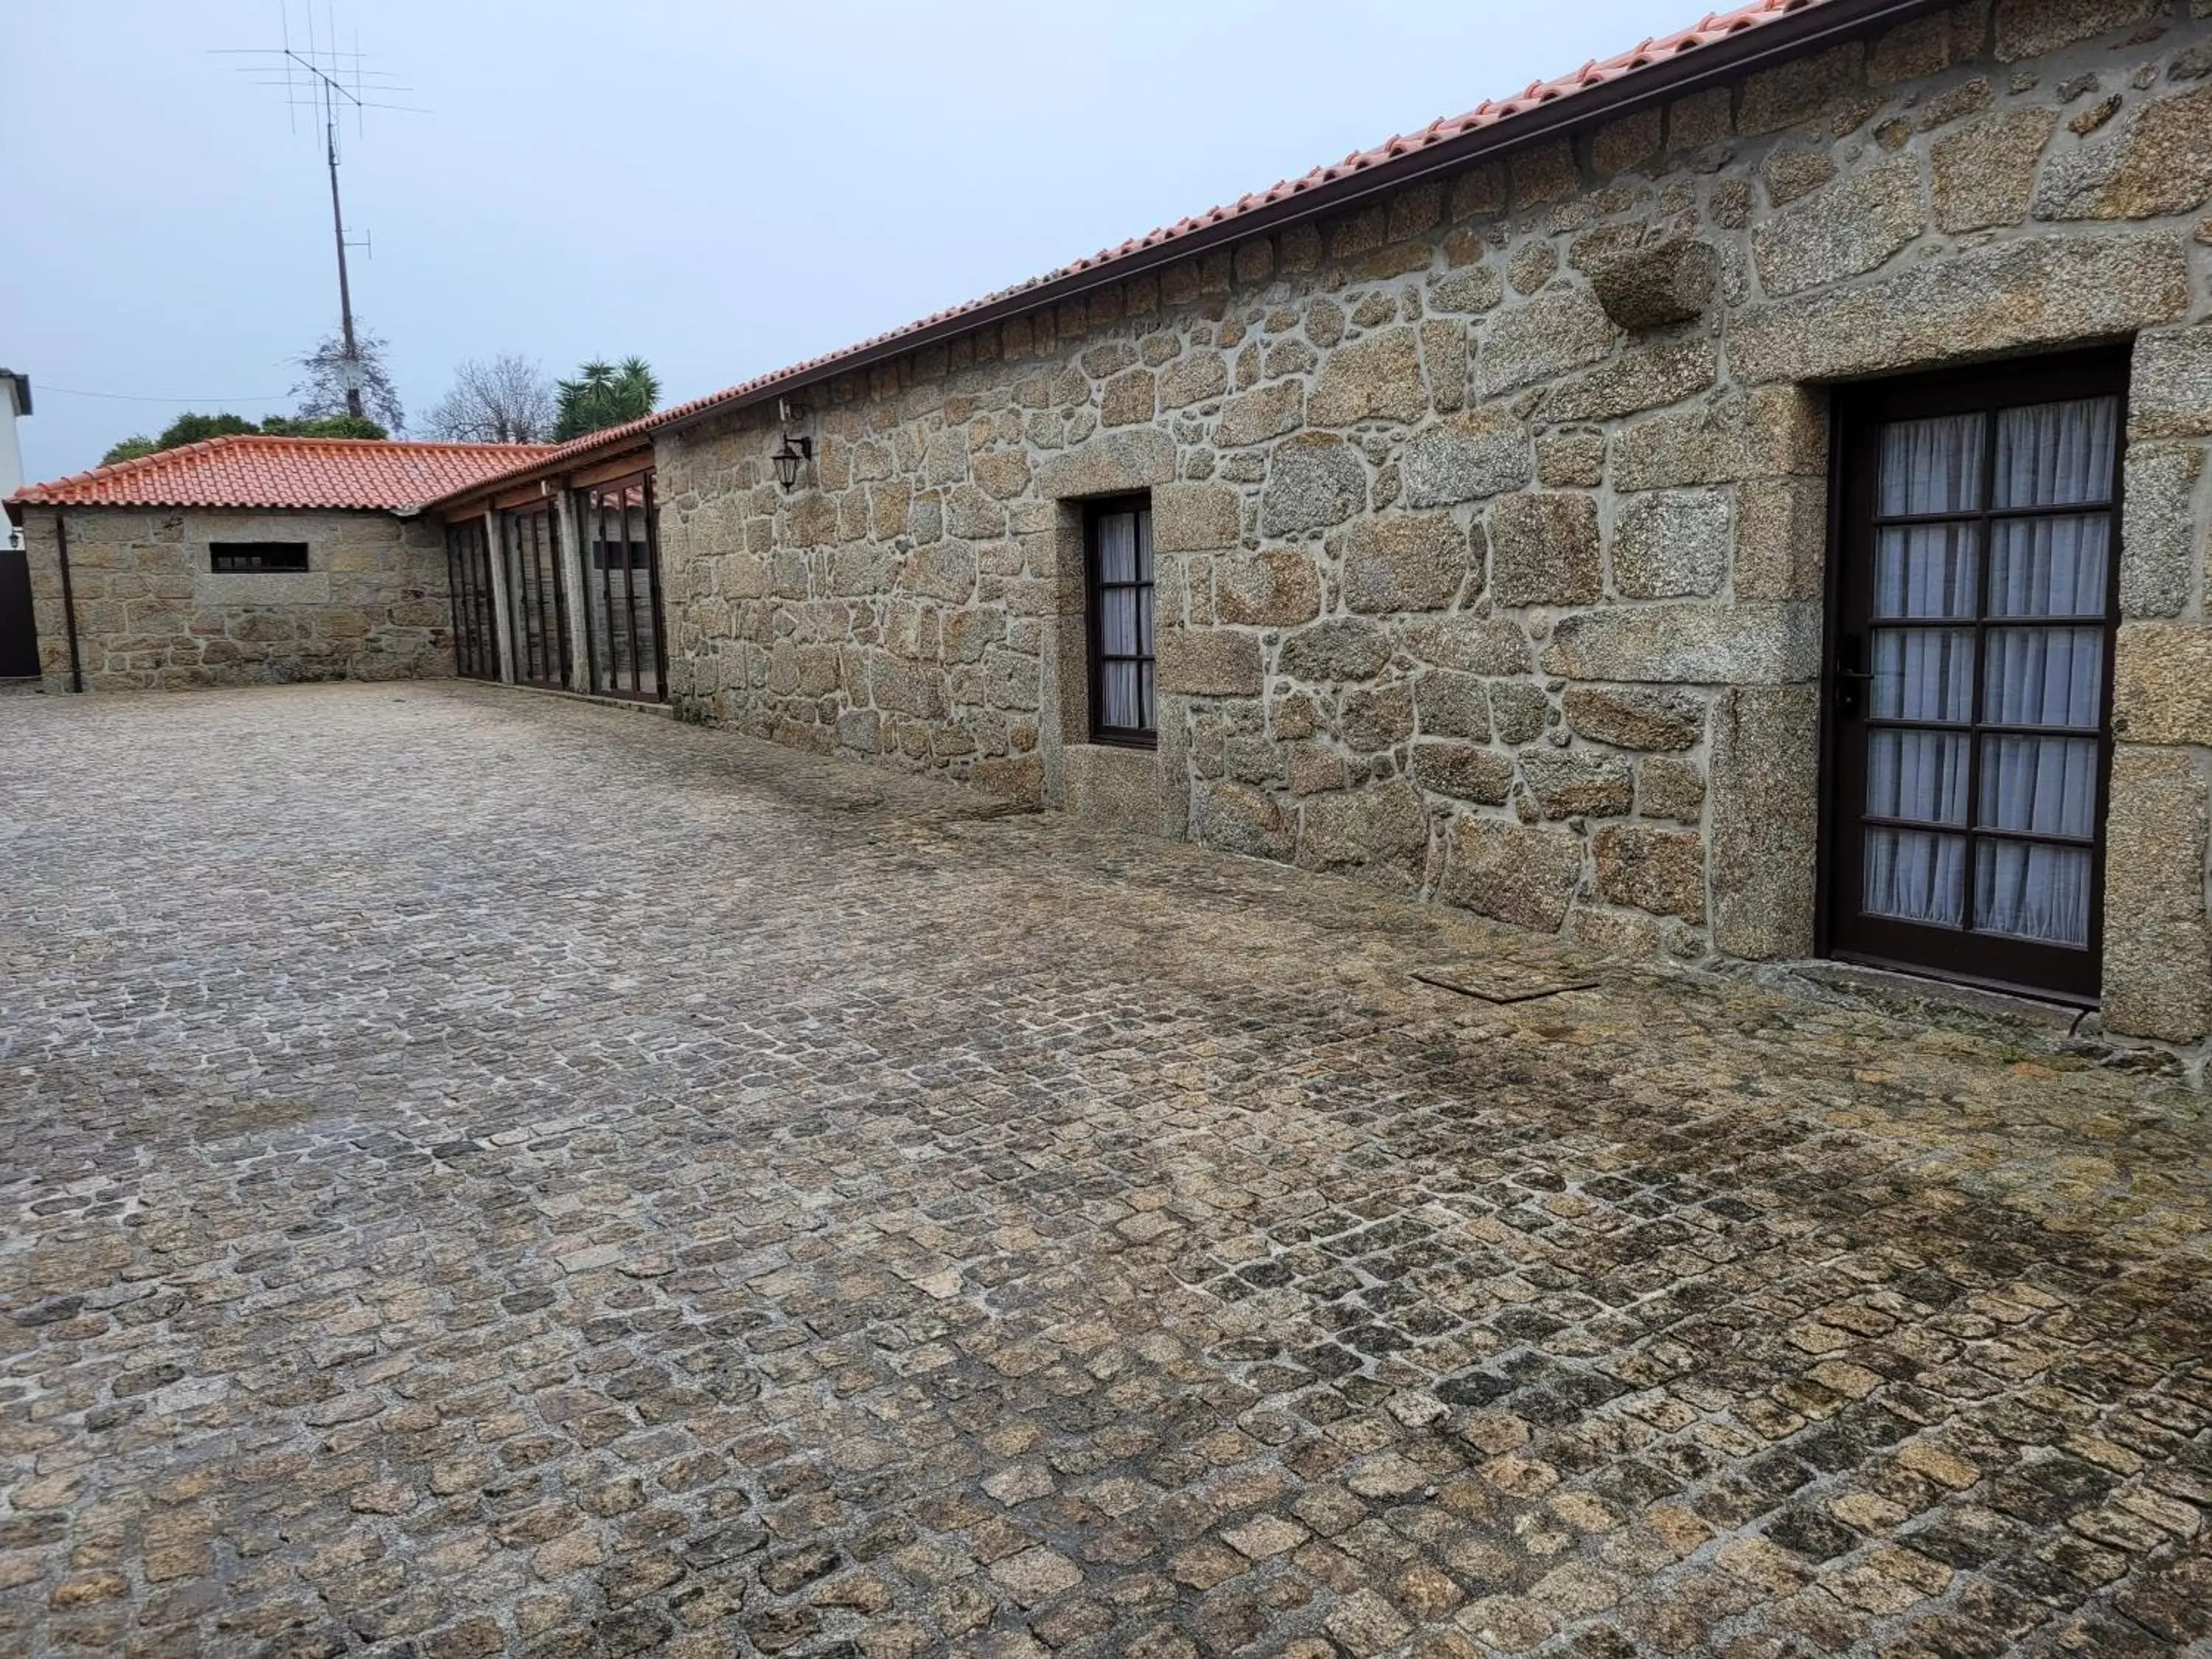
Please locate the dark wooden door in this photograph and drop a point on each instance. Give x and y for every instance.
(1976, 599)
(19, 627)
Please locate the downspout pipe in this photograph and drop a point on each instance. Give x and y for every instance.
(69, 598)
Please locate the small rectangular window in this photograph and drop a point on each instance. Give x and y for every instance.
(226, 557)
(1119, 557)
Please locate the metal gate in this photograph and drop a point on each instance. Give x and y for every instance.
(18, 628)
(536, 598)
(622, 575)
(476, 626)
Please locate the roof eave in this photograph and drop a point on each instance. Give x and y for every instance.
(477, 495)
(162, 464)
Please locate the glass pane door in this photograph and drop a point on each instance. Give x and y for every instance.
(1973, 642)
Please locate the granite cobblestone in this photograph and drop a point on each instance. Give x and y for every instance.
(489, 1175)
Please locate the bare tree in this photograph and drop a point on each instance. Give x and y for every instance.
(332, 371)
(504, 399)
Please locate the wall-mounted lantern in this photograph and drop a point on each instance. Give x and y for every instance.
(795, 450)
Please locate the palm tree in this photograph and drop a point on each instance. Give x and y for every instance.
(605, 394)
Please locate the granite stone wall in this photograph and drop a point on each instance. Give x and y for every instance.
(151, 614)
(1492, 518)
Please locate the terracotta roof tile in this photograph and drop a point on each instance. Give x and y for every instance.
(1496, 112)
(251, 471)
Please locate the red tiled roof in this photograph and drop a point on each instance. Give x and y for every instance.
(1568, 98)
(251, 471)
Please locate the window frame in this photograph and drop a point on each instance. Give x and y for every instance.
(218, 552)
(1094, 588)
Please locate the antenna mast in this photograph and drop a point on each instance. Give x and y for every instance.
(332, 94)
(317, 80)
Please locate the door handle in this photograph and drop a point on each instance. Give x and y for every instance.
(1850, 679)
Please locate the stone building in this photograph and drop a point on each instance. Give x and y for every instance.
(1744, 499)
(245, 561)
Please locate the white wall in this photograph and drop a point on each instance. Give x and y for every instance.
(11, 452)
(11, 455)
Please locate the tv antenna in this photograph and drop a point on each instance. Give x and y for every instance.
(326, 81)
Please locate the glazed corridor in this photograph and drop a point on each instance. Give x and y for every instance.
(478, 1172)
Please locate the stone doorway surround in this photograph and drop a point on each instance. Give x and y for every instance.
(1105, 784)
(2051, 295)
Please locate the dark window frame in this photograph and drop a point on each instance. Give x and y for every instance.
(1095, 589)
(2051, 972)
(253, 559)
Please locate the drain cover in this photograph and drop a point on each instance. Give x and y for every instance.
(1501, 982)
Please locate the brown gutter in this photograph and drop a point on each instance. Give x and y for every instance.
(1792, 36)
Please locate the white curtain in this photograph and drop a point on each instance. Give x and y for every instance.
(1917, 774)
(1923, 674)
(2053, 454)
(1932, 466)
(2044, 786)
(2049, 566)
(1117, 547)
(2032, 890)
(2052, 566)
(2045, 676)
(1926, 570)
(1920, 876)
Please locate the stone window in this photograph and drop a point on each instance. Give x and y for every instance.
(229, 558)
(1118, 556)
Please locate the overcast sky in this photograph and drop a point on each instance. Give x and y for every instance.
(721, 189)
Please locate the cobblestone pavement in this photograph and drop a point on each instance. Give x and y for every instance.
(486, 1173)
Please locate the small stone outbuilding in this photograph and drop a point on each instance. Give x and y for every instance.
(1745, 500)
(245, 561)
